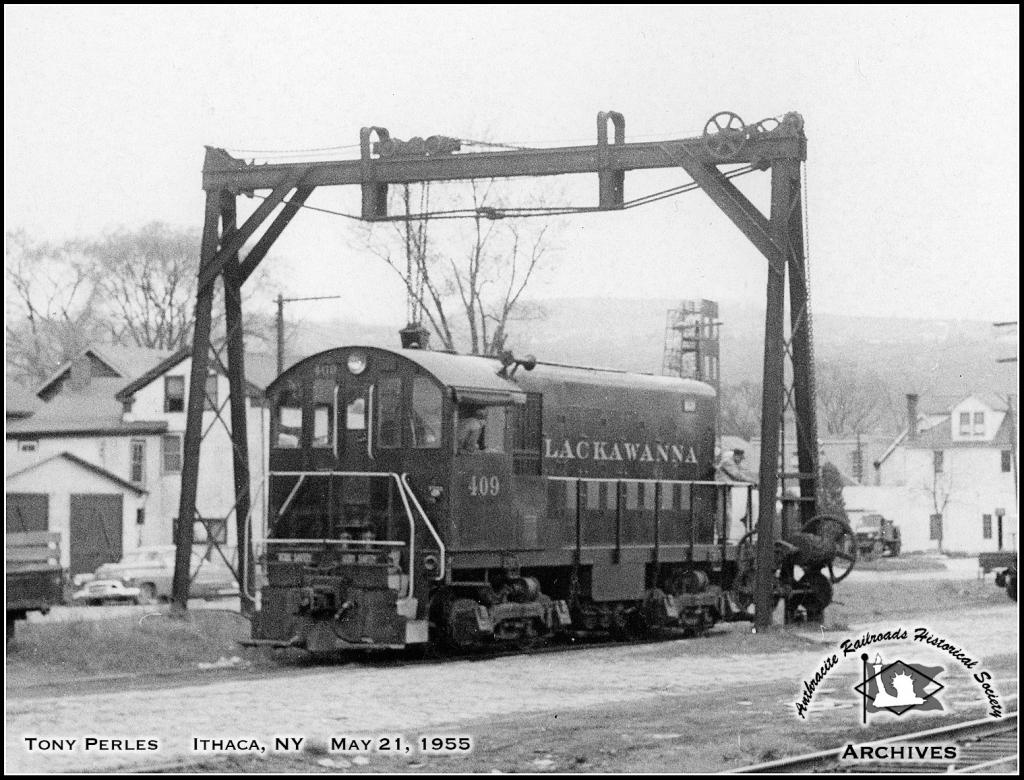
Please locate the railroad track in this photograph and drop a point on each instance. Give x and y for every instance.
(986, 745)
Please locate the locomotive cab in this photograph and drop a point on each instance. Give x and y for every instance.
(367, 449)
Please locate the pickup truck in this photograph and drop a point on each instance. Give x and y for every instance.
(1005, 560)
(877, 536)
(35, 579)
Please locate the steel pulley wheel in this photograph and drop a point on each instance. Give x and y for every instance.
(766, 125)
(724, 135)
(837, 535)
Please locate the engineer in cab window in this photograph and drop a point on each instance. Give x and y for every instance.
(471, 427)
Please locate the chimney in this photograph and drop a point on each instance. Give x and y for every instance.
(414, 336)
(911, 416)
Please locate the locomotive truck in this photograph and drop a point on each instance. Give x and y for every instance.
(422, 497)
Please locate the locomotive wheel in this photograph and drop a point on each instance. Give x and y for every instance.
(746, 569)
(460, 628)
(842, 543)
(724, 135)
(813, 593)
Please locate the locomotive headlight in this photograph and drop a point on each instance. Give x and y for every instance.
(436, 491)
(357, 362)
(430, 563)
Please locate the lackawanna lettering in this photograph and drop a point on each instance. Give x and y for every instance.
(641, 452)
(900, 753)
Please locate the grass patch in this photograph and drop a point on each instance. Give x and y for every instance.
(859, 600)
(154, 642)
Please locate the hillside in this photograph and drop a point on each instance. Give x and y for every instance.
(935, 358)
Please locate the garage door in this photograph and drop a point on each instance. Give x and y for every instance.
(95, 530)
(28, 512)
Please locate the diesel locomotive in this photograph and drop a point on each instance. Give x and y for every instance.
(420, 497)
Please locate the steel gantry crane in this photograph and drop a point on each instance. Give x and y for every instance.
(778, 147)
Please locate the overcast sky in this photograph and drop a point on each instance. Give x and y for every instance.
(911, 116)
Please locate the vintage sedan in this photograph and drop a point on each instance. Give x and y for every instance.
(99, 592)
(151, 570)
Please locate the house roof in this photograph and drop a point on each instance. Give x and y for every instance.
(90, 410)
(19, 402)
(935, 431)
(259, 372)
(126, 362)
(81, 463)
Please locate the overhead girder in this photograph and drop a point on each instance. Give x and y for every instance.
(779, 148)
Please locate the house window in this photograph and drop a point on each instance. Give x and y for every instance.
(1006, 463)
(937, 458)
(211, 393)
(32, 446)
(986, 526)
(979, 423)
(965, 423)
(174, 393)
(138, 452)
(171, 454)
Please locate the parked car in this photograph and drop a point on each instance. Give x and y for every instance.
(151, 569)
(98, 592)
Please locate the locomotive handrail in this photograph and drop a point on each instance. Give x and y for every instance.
(343, 542)
(336, 423)
(288, 499)
(428, 524)
(649, 481)
(367, 474)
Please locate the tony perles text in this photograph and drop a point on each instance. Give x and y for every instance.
(101, 744)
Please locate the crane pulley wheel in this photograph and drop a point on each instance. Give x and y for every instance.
(724, 135)
(842, 543)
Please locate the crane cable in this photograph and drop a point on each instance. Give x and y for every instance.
(490, 212)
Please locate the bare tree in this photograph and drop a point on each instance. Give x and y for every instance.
(51, 301)
(939, 492)
(147, 278)
(851, 401)
(130, 287)
(740, 409)
(465, 284)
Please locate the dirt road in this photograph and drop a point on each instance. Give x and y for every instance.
(586, 685)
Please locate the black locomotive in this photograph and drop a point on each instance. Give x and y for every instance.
(427, 497)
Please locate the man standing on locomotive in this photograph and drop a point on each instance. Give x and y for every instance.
(471, 427)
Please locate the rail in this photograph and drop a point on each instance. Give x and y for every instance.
(966, 734)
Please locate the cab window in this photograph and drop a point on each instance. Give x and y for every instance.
(288, 420)
(323, 413)
(426, 413)
(355, 415)
(480, 428)
(389, 432)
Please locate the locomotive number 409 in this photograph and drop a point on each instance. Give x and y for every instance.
(483, 485)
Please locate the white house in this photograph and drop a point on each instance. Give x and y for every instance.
(102, 458)
(950, 480)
